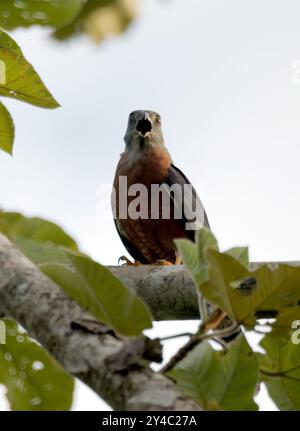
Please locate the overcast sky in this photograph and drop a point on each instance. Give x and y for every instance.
(225, 77)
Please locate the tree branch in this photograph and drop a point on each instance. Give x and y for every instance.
(93, 354)
(168, 290)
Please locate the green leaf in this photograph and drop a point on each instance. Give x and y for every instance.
(34, 380)
(25, 13)
(7, 130)
(42, 253)
(99, 19)
(241, 254)
(20, 79)
(219, 380)
(280, 370)
(94, 287)
(8, 42)
(248, 296)
(193, 254)
(16, 226)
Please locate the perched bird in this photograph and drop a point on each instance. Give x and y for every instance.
(148, 228)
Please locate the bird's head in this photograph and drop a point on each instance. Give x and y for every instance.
(143, 131)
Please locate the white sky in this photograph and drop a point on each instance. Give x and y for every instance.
(223, 74)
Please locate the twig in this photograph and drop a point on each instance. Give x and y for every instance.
(171, 337)
(197, 338)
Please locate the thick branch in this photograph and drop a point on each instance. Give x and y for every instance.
(168, 290)
(48, 315)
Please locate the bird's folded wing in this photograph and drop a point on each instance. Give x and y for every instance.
(188, 204)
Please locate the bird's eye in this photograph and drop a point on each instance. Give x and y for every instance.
(131, 116)
(158, 119)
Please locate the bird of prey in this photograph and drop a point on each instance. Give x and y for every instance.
(145, 164)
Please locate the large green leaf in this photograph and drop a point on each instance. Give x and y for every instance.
(8, 42)
(42, 252)
(90, 284)
(280, 370)
(7, 130)
(248, 296)
(34, 380)
(219, 380)
(94, 287)
(25, 13)
(16, 226)
(21, 80)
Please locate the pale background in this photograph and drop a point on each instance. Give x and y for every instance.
(225, 77)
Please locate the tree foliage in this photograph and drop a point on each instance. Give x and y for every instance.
(100, 19)
(218, 379)
(268, 296)
(33, 379)
(26, 13)
(67, 18)
(19, 81)
(280, 370)
(92, 285)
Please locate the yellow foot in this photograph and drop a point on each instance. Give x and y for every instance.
(163, 262)
(215, 320)
(127, 262)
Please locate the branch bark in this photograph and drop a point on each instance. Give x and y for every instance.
(50, 317)
(168, 290)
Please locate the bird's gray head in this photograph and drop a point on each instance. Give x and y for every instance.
(143, 131)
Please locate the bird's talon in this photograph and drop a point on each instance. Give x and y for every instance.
(127, 262)
(163, 262)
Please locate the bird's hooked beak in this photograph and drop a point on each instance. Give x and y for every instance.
(144, 126)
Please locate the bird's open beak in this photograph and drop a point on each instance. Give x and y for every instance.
(144, 126)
